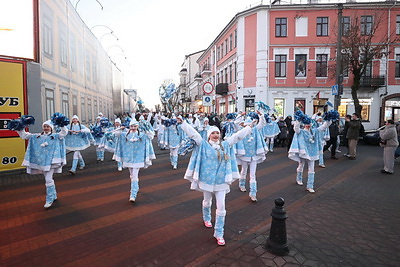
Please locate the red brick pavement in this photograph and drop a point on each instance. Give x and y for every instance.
(92, 223)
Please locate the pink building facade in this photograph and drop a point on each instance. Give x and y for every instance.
(285, 56)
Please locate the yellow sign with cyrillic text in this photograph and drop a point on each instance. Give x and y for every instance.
(12, 106)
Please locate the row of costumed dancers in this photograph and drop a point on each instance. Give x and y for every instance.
(215, 153)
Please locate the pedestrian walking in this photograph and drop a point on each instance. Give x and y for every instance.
(353, 134)
(332, 142)
(212, 169)
(389, 142)
(289, 125)
(135, 150)
(282, 136)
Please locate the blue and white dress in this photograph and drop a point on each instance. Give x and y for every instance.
(271, 129)
(109, 139)
(77, 141)
(173, 136)
(306, 144)
(44, 151)
(134, 149)
(253, 147)
(203, 131)
(211, 168)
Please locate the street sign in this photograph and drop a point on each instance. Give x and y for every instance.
(335, 89)
(207, 100)
(208, 88)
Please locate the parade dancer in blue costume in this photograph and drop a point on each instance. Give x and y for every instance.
(111, 139)
(135, 150)
(271, 130)
(98, 139)
(323, 137)
(305, 147)
(78, 139)
(173, 136)
(45, 155)
(202, 129)
(212, 169)
(250, 152)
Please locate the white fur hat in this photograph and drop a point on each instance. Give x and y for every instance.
(212, 129)
(133, 122)
(76, 117)
(248, 121)
(118, 120)
(48, 123)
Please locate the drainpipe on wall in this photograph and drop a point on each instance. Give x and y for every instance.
(387, 69)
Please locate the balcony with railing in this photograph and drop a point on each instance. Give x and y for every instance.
(198, 77)
(221, 89)
(206, 69)
(373, 82)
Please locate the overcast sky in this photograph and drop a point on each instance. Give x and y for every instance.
(155, 35)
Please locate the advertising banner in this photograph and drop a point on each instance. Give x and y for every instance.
(12, 106)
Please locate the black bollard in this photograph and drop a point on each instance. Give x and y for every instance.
(277, 240)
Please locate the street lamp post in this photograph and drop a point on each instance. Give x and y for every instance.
(339, 76)
(108, 33)
(76, 5)
(108, 49)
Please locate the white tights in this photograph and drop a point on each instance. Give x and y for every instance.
(134, 174)
(77, 155)
(302, 163)
(48, 176)
(173, 151)
(220, 199)
(253, 169)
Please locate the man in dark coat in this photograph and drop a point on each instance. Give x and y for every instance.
(333, 133)
(290, 129)
(353, 133)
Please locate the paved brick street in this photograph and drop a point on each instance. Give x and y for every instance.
(352, 220)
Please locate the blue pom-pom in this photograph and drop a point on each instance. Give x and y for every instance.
(298, 116)
(230, 116)
(306, 119)
(253, 115)
(59, 119)
(261, 105)
(27, 120)
(267, 118)
(331, 115)
(126, 122)
(15, 125)
(173, 121)
(229, 128)
(186, 146)
(97, 132)
(104, 122)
